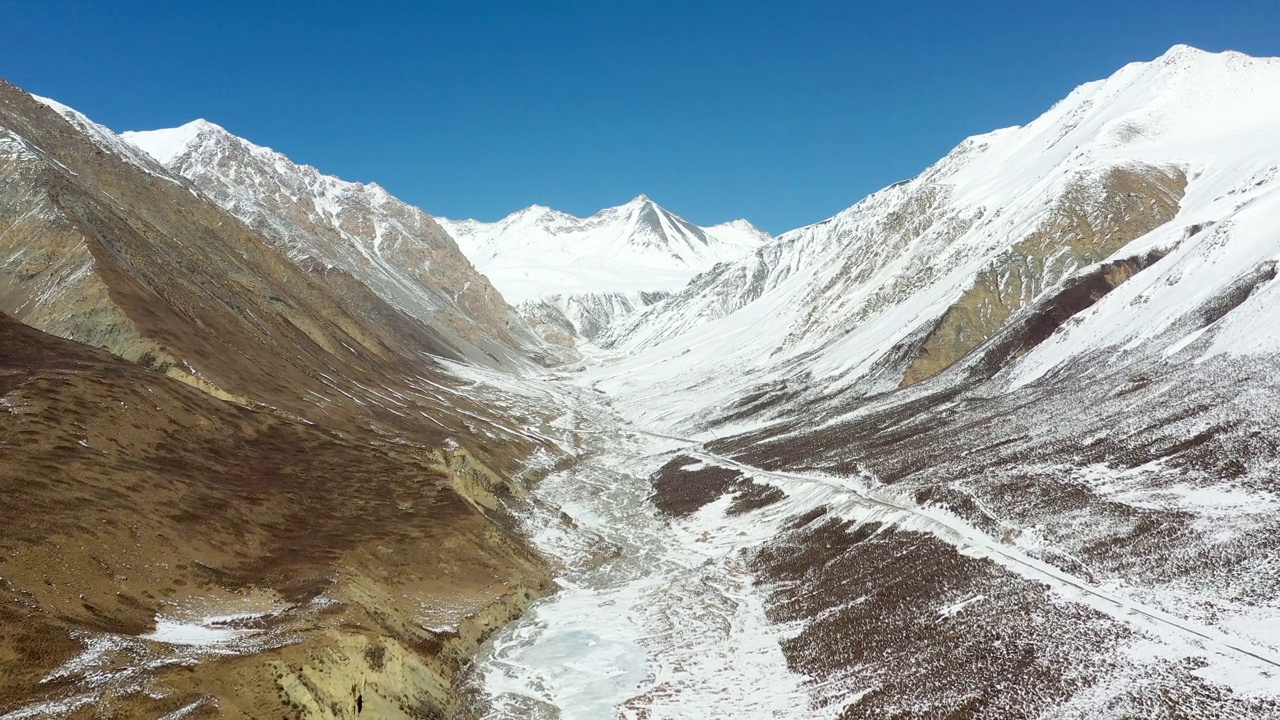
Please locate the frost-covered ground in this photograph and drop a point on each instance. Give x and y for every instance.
(114, 665)
(656, 618)
(720, 612)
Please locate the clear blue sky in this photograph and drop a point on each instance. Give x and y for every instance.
(780, 112)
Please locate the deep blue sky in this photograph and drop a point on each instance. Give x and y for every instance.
(780, 112)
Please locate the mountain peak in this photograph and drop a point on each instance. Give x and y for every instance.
(640, 203)
(741, 225)
(166, 144)
(1181, 52)
(539, 251)
(1181, 58)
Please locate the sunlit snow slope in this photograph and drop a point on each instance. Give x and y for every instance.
(581, 275)
(1041, 374)
(1175, 157)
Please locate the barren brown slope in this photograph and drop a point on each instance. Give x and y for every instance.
(128, 495)
(115, 252)
(339, 490)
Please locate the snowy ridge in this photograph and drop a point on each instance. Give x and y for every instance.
(638, 246)
(631, 248)
(108, 140)
(576, 278)
(395, 249)
(835, 300)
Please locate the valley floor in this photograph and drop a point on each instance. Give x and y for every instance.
(832, 598)
(656, 617)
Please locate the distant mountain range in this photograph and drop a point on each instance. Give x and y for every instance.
(575, 278)
(631, 248)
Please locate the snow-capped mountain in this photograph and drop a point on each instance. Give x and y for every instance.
(635, 247)
(997, 441)
(582, 275)
(361, 231)
(1052, 351)
(906, 282)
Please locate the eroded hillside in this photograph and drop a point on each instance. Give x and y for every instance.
(239, 483)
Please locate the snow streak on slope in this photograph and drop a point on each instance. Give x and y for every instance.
(632, 248)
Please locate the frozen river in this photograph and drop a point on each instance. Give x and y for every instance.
(657, 618)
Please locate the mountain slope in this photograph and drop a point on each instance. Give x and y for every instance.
(162, 509)
(251, 482)
(1059, 336)
(906, 282)
(581, 275)
(327, 224)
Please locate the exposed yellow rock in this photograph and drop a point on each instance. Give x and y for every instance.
(383, 569)
(1083, 229)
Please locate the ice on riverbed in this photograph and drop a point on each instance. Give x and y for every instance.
(655, 618)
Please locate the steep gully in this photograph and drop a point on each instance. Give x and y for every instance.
(652, 604)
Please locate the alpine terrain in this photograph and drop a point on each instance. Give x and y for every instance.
(998, 441)
(575, 278)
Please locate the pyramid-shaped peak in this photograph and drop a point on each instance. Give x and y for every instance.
(643, 205)
(644, 201)
(639, 202)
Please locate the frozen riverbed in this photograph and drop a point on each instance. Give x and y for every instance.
(662, 617)
(657, 618)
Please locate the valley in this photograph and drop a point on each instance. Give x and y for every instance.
(675, 605)
(998, 441)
